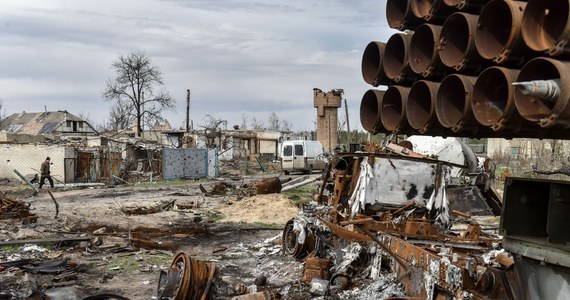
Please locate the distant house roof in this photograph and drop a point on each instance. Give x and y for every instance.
(44, 123)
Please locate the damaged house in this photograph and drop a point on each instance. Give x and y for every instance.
(41, 126)
(28, 138)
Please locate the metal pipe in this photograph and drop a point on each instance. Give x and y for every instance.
(547, 105)
(370, 111)
(453, 103)
(498, 35)
(546, 26)
(396, 61)
(400, 16)
(393, 108)
(372, 67)
(424, 56)
(433, 11)
(473, 6)
(493, 100)
(420, 107)
(188, 110)
(457, 45)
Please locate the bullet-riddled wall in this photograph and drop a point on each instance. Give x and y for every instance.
(327, 105)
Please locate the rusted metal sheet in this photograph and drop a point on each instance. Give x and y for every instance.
(318, 268)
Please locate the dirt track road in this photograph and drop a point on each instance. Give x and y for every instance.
(242, 250)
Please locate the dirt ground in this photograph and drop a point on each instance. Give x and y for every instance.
(241, 235)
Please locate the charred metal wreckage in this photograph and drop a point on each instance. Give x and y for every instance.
(392, 210)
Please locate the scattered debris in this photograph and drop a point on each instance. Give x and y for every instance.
(44, 241)
(12, 209)
(145, 243)
(163, 206)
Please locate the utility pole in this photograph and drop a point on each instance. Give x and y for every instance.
(188, 110)
(347, 124)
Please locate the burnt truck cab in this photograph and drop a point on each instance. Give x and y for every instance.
(302, 156)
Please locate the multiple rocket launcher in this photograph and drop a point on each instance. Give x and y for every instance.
(473, 68)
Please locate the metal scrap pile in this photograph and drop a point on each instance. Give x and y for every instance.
(13, 209)
(401, 218)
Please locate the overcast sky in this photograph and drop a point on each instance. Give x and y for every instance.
(238, 57)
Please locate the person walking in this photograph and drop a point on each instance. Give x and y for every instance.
(46, 173)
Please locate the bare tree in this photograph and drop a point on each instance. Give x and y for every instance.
(286, 126)
(244, 121)
(273, 121)
(120, 118)
(136, 87)
(213, 130)
(255, 124)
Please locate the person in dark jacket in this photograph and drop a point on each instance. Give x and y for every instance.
(45, 173)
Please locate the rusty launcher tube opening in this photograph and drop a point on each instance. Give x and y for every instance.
(393, 108)
(424, 56)
(466, 5)
(433, 11)
(423, 8)
(457, 45)
(453, 101)
(370, 111)
(541, 93)
(498, 34)
(493, 98)
(396, 61)
(372, 67)
(400, 16)
(420, 107)
(545, 26)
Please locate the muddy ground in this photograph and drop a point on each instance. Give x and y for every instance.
(241, 234)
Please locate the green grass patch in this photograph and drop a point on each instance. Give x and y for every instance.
(302, 194)
(126, 263)
(161, 260)
(213, 216)
(10, 249)
(304, 189)
(266, 225)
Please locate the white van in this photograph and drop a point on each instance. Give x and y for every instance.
(301, 155)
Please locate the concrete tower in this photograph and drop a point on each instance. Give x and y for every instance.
(327, 105)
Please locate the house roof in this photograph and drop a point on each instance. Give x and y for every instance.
(36, 123)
